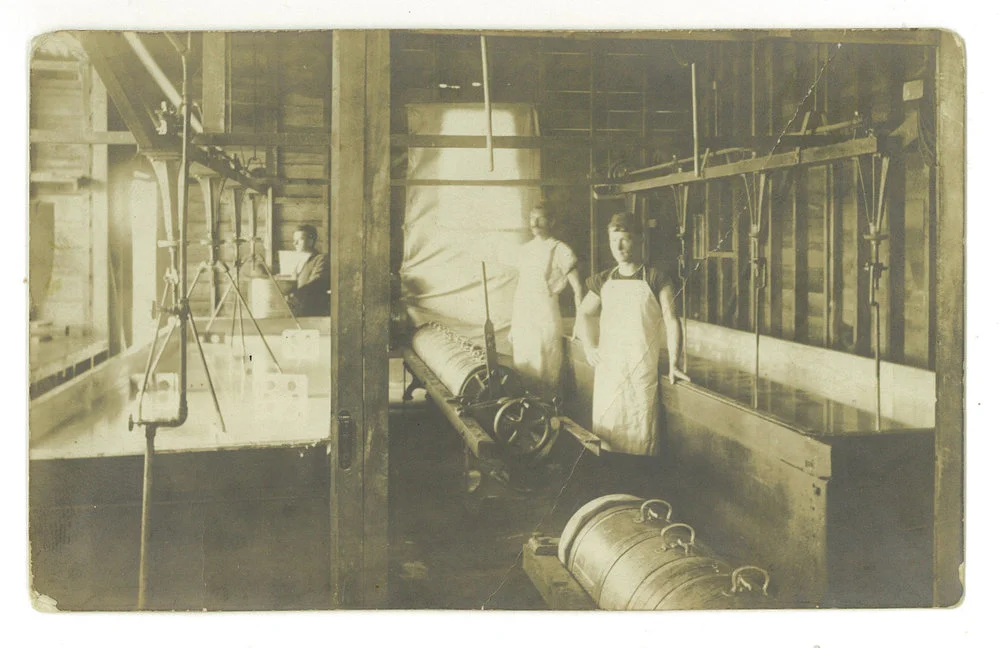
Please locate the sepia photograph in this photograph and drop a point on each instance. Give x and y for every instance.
(444, 318)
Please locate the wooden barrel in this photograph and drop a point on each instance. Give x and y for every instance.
(266, 300)
(628, 555)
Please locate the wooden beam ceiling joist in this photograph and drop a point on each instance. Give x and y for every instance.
(134, 114)
(114, 138)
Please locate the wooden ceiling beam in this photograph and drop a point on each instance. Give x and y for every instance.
(132, 111)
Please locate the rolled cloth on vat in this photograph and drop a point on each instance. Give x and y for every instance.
(451, 357)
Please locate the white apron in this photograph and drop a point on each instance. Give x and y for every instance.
(626, 380)
(536, 322)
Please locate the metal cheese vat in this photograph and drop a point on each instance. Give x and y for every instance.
(628, 554)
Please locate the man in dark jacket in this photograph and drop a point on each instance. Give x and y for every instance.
(310, 297)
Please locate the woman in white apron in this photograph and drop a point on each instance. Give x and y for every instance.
(635, 307)
(545, 265)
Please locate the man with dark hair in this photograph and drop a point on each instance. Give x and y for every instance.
(634, 303)
(310, 297)
(545, 266)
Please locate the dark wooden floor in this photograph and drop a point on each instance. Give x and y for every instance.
(249, 529)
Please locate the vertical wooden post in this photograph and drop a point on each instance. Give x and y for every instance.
(799, 220)
(948, 518)
(166, 166)
(99, 207)
(862, 309)
(359, 197)
(894, 334)
(215, 84)
(210, 185)
(377, 311)
(835, 256)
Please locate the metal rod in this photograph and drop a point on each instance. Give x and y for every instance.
(488, 100)
(594, 229)
(752, 89)
(154, 363)
(183, 311)
(162, 80)
(693, 110)
(146, 531)
(208, 374)
(152, 345)
(682, 231)
(218, 309)
(877, 366)
(253, 319)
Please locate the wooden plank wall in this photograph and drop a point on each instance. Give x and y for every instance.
(818, 292)
(60, 102)
(279, 83)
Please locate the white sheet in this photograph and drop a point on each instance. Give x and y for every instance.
(450, 231)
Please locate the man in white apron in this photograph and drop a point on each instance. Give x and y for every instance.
(635, 305)
(545, 265)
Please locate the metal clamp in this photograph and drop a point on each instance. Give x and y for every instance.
(645, 513)
(740, 584)
(678, 543)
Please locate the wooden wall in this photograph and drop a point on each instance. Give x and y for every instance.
(278, 82)
(817, 217)
(68, 179)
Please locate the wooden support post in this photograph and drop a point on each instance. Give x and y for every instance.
(210, 187)
(377, 312)
(707, 310)
(166, 167)
(775, 264)
(948, 518)
(270, 230)
(215, 84)
(835, 249)
(99, 208)
(894, 333)
(799, 223)
(862, 309)
(828, 260)
(128, 104)
(359, 193)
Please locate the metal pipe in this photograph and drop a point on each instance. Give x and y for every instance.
(877, 366)
(146, 531)
(185, 162)
(489, 106)
(693, 103)
(253, 319)
(147, 60)
(155, 363)
(752, 89)
(208, 374)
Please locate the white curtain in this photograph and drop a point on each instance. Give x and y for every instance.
(451, 230)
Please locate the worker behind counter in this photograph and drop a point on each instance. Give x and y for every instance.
(634, 303)
(546, 266)
(310, 297)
